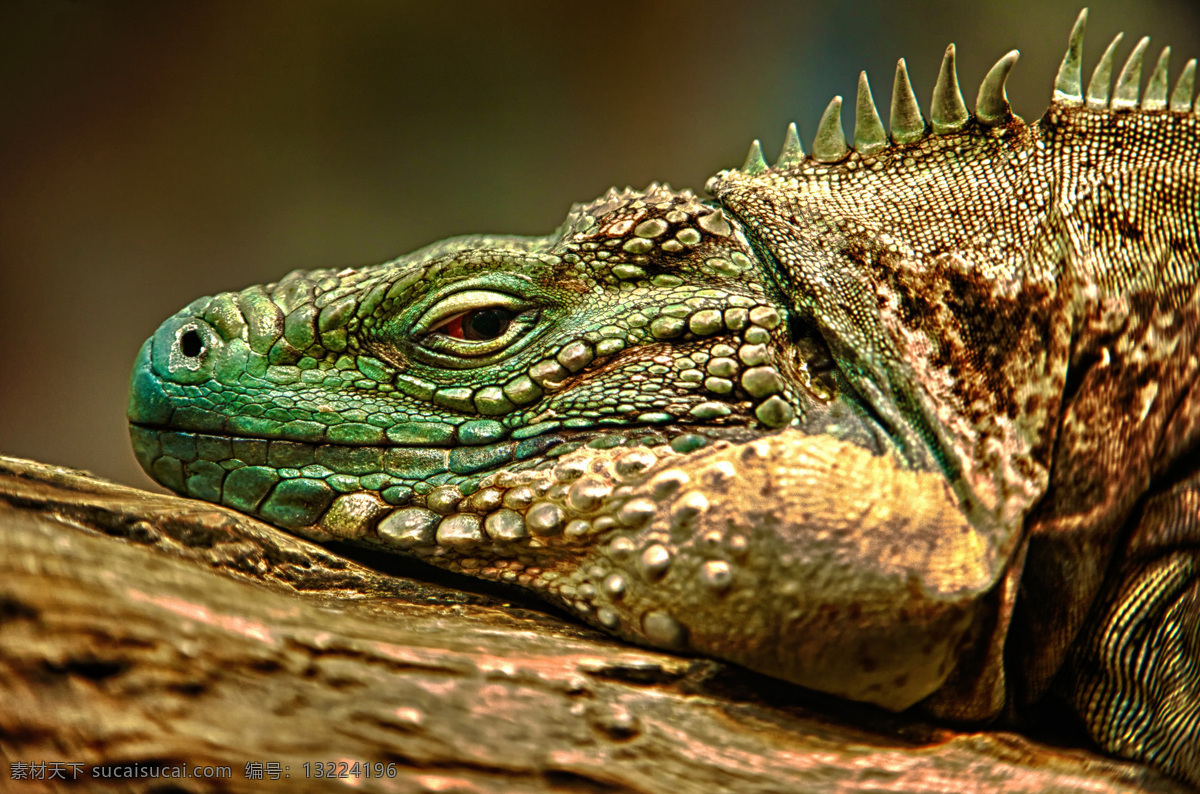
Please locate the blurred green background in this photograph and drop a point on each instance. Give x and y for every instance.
(153, 152)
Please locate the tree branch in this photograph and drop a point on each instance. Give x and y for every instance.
(137, 628)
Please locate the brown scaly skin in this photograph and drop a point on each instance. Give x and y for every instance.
(912, 423)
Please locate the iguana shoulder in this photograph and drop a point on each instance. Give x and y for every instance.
(1014, 288)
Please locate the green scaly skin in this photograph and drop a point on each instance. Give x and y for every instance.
(910, 422)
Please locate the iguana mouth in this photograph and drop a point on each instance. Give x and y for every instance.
(240, 470)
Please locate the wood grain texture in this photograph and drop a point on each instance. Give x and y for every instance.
(140, 628)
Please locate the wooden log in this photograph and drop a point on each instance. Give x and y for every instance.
(144, 632)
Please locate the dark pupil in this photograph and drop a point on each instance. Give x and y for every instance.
(484, 324)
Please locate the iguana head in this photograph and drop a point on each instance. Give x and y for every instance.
(570, 413)
(797, 427)
(645, 320)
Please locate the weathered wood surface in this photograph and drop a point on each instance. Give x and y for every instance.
(139, 628)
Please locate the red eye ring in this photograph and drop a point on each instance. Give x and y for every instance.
(453, 327)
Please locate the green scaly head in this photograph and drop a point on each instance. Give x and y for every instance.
(557, 412)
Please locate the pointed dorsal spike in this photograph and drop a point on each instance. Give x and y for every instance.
(869, 135)
(1181, 97)
(830, 144)
(755, 164)
(991, 105)
(1129, 82)
(792, 153)
(1155, 97)
(1097, 91)
(1068, 86)
(948, 112)
(908, 125)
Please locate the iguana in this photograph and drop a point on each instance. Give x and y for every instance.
(909, 419)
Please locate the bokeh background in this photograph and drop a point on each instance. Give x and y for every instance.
(152, 152)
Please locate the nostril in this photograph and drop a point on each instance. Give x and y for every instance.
(183, 349)
(190, 343)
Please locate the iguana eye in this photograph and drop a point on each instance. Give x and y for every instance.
(477, 325)
(474, 323)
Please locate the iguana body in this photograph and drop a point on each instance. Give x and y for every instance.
(911, 423)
